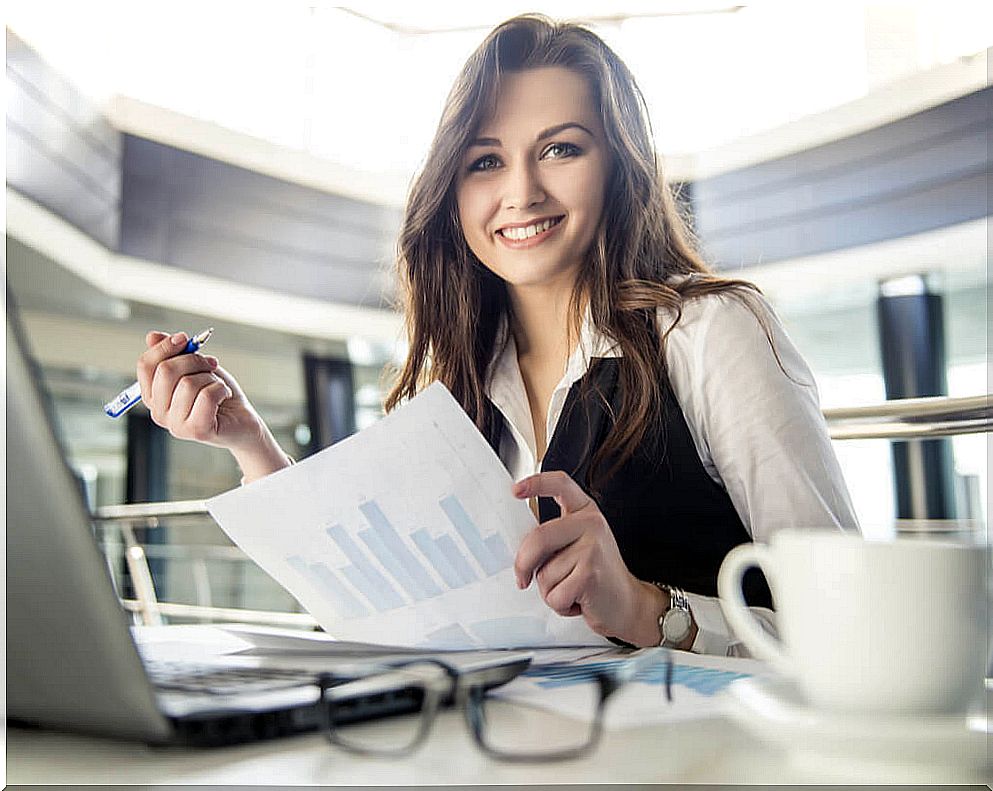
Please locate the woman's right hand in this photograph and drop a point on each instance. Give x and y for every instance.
(192, 397)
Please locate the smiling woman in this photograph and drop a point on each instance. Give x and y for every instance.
(660, 411)
(654, 413)
(531, 189)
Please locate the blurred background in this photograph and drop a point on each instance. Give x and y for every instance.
(243, 165)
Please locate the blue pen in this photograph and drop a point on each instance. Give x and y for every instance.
(132, 395)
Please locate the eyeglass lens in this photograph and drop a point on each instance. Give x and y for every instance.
(355, 721)
(515, 729)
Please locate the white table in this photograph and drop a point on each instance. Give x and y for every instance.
(705, 751)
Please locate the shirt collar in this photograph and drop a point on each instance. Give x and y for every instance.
(505, 381)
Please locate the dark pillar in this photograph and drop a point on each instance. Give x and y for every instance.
(147, 481)
(911, 333)
(330, 400)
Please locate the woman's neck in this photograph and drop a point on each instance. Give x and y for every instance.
(542, 324)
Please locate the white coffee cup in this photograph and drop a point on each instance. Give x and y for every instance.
(896, 627)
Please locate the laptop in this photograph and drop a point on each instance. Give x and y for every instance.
(72, 661)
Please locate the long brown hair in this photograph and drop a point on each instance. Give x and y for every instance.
(638, 262)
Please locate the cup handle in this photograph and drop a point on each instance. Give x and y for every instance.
(729, 579)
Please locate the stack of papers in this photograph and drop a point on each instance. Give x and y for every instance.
(557, 681)
(403, 534)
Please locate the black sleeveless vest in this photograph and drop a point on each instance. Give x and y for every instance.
(672, 522)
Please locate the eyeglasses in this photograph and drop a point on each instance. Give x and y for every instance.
(509, 727)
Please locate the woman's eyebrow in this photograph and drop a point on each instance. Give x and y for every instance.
(542, 135)
(554, 130)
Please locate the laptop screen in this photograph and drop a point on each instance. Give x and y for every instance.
(70, 658)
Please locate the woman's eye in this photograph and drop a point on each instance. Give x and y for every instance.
(488, 162)
(560, 150)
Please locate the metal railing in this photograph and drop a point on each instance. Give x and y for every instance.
(912, 418)
(903, 419)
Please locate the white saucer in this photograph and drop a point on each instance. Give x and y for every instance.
(774, 710)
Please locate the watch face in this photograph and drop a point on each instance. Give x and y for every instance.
(676, 625)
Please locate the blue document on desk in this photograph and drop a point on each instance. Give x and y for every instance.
(698, 683)
(403, 534)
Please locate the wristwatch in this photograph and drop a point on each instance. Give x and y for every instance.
(676, 623)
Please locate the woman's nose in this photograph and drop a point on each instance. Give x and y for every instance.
(523, 187)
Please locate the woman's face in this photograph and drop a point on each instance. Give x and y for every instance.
(531, 186)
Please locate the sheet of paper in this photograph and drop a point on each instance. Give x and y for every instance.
(187, 642)
(252, 640)
(233, 646)
(697, 684)
(403, 534)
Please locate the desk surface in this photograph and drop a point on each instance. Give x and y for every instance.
(705, 751)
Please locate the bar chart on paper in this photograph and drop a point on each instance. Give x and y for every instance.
(697, 686)
(701, 680)
(387, 568)
(403, 533)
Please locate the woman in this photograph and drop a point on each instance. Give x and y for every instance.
(655, 414)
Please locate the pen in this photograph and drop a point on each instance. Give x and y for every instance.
(130, 396)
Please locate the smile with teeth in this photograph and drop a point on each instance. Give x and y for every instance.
(526, 232)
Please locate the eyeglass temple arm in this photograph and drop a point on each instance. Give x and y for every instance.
(389, 680)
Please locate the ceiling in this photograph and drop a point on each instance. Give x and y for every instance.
(333, 80)
(429, 19)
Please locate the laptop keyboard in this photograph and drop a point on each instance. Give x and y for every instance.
(212, 680)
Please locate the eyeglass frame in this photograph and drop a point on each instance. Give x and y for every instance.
(450, 684)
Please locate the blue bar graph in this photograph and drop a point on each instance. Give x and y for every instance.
(355, 608)
(380, 598)
(436, 558)
(499, 551)
(363, 575)
(703, 680)
(412, 573)
(451, 636)
(491, 561)
(393, 566)
(406, 569)
(324, 579)
(530, 630)
(451, 552)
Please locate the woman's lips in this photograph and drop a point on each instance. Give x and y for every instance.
(530, 241)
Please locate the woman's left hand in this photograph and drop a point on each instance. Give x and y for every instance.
(579, 568)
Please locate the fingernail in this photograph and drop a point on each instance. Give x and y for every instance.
(211, 361)
(178, 338)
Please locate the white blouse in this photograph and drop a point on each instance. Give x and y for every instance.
(759, 433)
